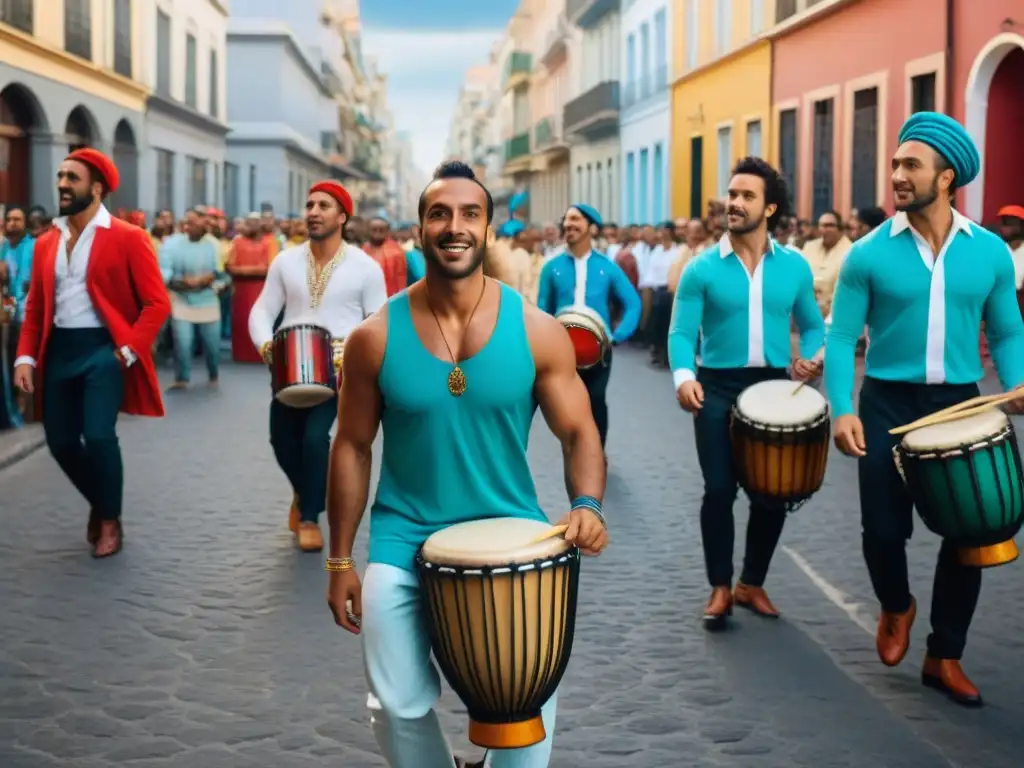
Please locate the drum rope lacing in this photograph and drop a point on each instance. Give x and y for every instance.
(317, 283)
(538, 565)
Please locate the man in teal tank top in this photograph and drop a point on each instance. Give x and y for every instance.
(738, 300)
(452, 370)
(922, 283)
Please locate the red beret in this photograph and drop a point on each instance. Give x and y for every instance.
(335, 190)
(100, 163)
(1016, 211)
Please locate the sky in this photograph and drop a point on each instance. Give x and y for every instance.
(425, 49)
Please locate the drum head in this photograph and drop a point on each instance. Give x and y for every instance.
(587, 346)
(304, 395)
(774, 404)
(496, 541)
(957, 434)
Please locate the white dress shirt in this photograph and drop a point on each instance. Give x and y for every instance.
(580, 295)
(658, 265)
(72, 304)
(1018, 266)
(354, 291)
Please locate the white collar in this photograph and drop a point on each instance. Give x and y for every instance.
(101, 219)
(901, 223)
(725, 246)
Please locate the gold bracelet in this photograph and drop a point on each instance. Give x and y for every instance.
(339, 564)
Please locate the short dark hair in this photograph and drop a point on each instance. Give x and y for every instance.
(775, 190)
(455, 169)
(16, 207)
(872, 217)
(612, 224)
(835, 213)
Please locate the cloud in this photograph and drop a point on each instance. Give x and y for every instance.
(425, 71)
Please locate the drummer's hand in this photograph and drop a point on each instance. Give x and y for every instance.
(1017, 404)
(805, 370)
(342, 587)
(690, 396)
(586, 531)
(849, 435)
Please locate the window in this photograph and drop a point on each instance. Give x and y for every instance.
(217, 202)
(123, 37)
(291, 189)
(754, 138)
(214, 85)
(660, 52)
(692, 34)
(788, 149)
(642, 187)
(724, 159)
(190, 71)
(756, 17)
(197, 181)
(723, 25)
(165, 180)
(659, 184)
(599, 194)
(784, 9)
(823, 153)
(17, 13)
(645, 61)
(78, 28)
(252, 188)
(696, 177)
(922, 90)
(579, 182)
(630, 70)
(630, 188)
(865, 149)
(163, 54)
(231, 201)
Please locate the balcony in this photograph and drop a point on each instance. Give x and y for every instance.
(585, 14)
(595, 111)
(518, 66)
(556, 43)
(517, 147)
(547, 138)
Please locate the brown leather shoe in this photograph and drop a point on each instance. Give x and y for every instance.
(309, 537)
(946, 675)
(893, 638)
(293, 514)
(754, 599)
(718, 608)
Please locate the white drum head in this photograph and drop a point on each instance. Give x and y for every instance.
(495, 541)
(304, 395)
(957, 434)
(773, 403)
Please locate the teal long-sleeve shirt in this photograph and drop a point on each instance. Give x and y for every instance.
(742, 320)
(924, 312)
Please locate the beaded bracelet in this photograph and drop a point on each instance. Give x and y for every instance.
(591, 503)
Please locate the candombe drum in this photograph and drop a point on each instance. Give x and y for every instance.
(780, 442)
(302, 368)
(501, 610)
(966, 482)
(589, 334)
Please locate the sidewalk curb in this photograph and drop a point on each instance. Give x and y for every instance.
(21, 451)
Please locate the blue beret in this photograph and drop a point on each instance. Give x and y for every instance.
(947, 137)
(589, 213)
(510, 228)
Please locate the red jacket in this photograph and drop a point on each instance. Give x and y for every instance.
(127, 292)
(392, 260)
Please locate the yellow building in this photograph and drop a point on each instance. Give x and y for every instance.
(721, 97)
(69, 76)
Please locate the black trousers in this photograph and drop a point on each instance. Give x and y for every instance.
(661, 319)
(887, 517)
(714, 452)
(301, 439)
(596, 381)
(83, 386)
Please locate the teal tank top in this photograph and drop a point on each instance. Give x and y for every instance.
(447, 459)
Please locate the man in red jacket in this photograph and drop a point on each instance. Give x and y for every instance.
(95, 305)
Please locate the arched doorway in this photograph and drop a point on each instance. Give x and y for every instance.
(994, 115)
(20, 115)
(126, 158)
(80, 129)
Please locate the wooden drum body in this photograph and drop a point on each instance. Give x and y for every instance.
(302, 366)
(502, 614)
(780, 442)
(589, 334)
(966, 482)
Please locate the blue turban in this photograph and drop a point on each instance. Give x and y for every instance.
(510, 228)
(947, 137)
(590, 214)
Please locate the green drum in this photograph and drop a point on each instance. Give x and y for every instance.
(966, 481)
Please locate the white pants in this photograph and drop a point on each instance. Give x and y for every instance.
(405, 685)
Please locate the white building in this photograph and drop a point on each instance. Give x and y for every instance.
(186, 114)
(646, 111)
(591, 116)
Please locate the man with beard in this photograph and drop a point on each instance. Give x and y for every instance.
(922, 282)
(583, 277)
(328, 283)
(389, 254)
(95, 306)
(739, 300)
(467, 363)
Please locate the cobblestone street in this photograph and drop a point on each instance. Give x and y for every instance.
(208, 644)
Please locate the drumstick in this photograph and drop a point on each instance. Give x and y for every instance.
(940, 417)
(555, 530)
(973, 402)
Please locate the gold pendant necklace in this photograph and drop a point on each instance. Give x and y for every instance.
(456, 379)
